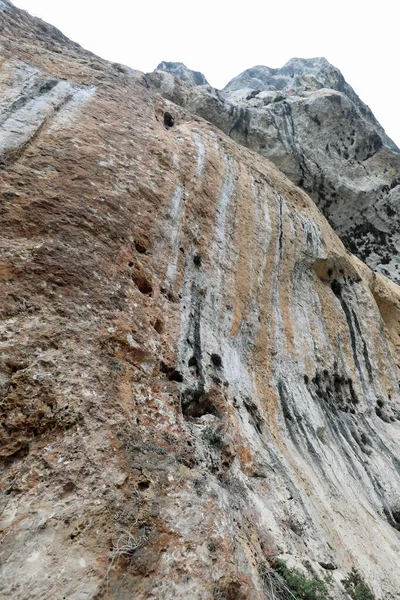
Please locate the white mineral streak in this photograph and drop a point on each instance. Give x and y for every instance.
(22, 124)
(278, 325)
(200, 153)
(214, 139)
(263, 227)
(176, 218)
(69, 113)
(175, 159)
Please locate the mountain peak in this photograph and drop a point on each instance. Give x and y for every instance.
(181, 71)
(300, 74)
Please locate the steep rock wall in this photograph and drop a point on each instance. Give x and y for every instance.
(311, 124)
(196, 376)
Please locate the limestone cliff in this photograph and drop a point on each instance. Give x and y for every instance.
(197, 378)
(311, 124)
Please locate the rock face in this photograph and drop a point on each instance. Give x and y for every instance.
(196, 377)
(312, 125)
(184, 74)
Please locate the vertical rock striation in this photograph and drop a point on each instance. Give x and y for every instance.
(311, 124)
(197, 378)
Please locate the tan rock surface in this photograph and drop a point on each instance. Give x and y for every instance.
(196, 377)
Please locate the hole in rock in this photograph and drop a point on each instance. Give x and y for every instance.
(69, 487)
(48, 85)
(175, 376)
(140, 248)
(196, 404)
(393, 517)
(158, 326)
(254, 414)
(229, 590)
(193, 365)
(328, 566)
(171, 297)
(169, 120)
(336, 287)
(197, 260)
(365, 439)
(144, 485)
(143, 285)
(382, 415)
(192, 362)
(216, 360)
(396, 517)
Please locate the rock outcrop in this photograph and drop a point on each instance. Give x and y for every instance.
(311, 124)
(197, 378)
(184, 74)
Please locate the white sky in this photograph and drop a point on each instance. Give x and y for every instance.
(221, 38)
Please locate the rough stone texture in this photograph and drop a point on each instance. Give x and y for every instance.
(196, 376)
(184, 74)
(313, 126)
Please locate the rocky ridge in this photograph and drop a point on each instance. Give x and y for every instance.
(196, 377)
(311, 124)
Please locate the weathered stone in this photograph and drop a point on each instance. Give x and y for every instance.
(196, 377)
(185, 74)
(313, 126)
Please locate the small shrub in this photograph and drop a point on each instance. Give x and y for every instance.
(301, 586)
(278, 98)
(291, 584)
(218, 594)
(126, 546)
(213, 436)
(355, 586)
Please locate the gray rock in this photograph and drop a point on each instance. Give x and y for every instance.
(181, 71)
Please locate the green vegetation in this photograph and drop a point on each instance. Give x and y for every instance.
(213, 436)
(278, 98)
(291, 584)
(302, 587)
(356, 588)
(283, 583)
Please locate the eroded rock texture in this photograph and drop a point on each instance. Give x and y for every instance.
(196, 376)
(312, 125)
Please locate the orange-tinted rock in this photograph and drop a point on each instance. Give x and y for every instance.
(187, 392)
